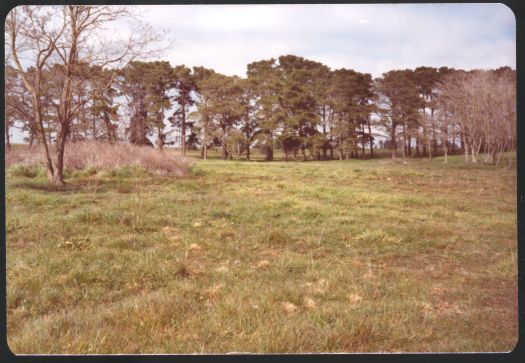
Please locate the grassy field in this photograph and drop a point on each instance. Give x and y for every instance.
(339, 256)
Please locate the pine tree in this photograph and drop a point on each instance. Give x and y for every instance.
(184, 87)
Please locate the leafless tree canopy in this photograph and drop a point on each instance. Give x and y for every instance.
(483, 105)
(70, 43)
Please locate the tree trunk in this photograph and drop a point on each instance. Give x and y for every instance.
(269, 149)
(445, 149)
(50, 170)
(394, 143)
(324, 132)
(404, 143)
(224, 150)
(7, 137)
(363, 139)
(94, 127)
(58, 174)
(428, 147)
(247, 145)
(183, 131)
(160, 138)
(453, 141)
(110, 128)
(330, 120)
(204, 144)
(464, 146)
(370, 138)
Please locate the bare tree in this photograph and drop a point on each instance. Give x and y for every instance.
(483, 104)
(70, 37)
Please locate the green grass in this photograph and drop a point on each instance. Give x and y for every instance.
(339, 256)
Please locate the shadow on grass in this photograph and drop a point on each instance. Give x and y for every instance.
(76, 186)
(46, 186)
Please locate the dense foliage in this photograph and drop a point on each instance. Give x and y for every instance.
(300, 106)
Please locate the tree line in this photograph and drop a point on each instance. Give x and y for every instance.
(300, 106)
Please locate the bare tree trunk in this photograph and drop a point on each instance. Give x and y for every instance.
(50, 171)
(58, 175)
(464, 147)
(7, 137)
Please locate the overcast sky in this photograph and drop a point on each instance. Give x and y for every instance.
(366, 38)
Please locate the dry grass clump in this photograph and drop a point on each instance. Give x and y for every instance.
(105, 156)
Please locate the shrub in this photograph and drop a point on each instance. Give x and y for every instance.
(97, 156)
(20, 170)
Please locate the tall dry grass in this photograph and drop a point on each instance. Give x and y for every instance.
(105, 156)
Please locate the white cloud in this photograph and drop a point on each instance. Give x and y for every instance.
(368, 38)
